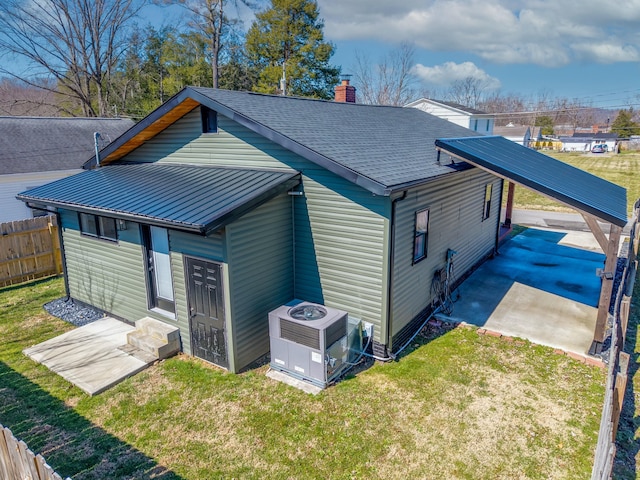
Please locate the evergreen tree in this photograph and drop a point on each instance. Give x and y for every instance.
(624, 125)
(546, 124)
(235, 72)
(290, 33)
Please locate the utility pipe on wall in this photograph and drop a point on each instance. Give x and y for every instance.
(96, 136)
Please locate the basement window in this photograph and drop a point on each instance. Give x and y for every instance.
(98, 226)
(486, 213)
(421, 235)
(209, 120)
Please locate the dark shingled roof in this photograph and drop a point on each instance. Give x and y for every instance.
(544, 174)
(381, 148)
(391, 146)
(40, 144)
(186, 197)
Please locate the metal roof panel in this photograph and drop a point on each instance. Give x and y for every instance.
(187, 197)
(563, 182)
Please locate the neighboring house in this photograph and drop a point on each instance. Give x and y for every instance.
(38, 150)
(221, 206)
(584, 142)
(520, 134)
(467, 117)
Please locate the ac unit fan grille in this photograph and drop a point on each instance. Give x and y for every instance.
(302, 334)
(336, 331)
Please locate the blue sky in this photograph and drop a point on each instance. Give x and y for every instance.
(585, 49)
(577, 49)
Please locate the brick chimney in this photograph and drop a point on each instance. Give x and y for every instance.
(345, 92)
(595, 129)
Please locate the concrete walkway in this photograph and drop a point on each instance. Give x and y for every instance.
(93, 357)
(558, 220)
(542, 287)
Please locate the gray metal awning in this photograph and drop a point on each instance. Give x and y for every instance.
(199, 199)
(569, 185)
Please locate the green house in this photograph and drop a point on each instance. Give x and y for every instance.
(221, 206)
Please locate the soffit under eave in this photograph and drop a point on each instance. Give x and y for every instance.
(152, 130)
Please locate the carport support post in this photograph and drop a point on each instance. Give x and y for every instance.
(509, 207)
(606, 290)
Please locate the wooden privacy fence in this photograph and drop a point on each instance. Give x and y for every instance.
(17, 462)
(618, 360)
(29, 249)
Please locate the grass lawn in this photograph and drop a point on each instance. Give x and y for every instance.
(622, 169)
(457, 406)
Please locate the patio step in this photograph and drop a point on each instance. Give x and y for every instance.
(141, 355)
(155, 337)
(158, 329)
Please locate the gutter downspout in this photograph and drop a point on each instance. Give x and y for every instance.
(392, 242)
(499, 227)
(293, 194)
(64, 257)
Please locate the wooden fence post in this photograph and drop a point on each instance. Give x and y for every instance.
(619, 390)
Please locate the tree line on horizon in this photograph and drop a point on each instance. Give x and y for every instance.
(91, 58)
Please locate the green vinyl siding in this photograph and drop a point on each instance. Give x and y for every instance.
(180, 244)
(233, 145)
(340, 252)
(340, 248)
(107, 275)
(260, 276)
(112, 276)
(455, 206)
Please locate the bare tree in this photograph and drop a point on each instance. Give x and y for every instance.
(18, 99)
(390, 82)
(210, 20)
(572, 113)
(468, 91)
(76, 42)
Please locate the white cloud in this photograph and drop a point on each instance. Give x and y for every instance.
(544, 32)
(450, 72)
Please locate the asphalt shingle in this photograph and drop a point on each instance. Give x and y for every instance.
(41, 144)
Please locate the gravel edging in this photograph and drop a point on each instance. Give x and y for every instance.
(73, 312)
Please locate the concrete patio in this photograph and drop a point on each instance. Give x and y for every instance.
(541, 287)
(93, 357)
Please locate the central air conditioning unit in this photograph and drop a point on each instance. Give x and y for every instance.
(312, 342)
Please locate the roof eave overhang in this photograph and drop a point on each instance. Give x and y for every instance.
(528, 183)
(401, 187)
(221, 220)
(120, 215)
(158, 120)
